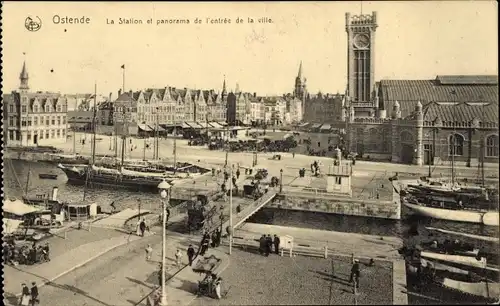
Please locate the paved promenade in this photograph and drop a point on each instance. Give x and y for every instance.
(118, 220)
(195, 153)
(79, 248)
(362, 246)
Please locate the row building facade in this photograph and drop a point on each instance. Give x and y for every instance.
(34, 118)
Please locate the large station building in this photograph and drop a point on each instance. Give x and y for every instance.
(436, 121)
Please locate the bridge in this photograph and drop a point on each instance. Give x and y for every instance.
(249, 208)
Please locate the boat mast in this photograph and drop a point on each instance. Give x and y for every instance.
(482, 146)
(175, 149)
(453, 142)
(92, 160)
(124, 139)
(27, 180)
(94, 124)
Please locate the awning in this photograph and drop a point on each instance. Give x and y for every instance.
(221, 123)
(303, 124)
(315, 126)
(325, 126)
(202, 124)
(184, 125)
(17, 207)
(215, 125)
(194, 125)
(144, 127)
(153, 128)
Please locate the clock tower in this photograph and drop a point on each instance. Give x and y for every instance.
(360, 61)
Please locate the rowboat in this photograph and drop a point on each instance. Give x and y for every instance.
(478, 237)
(48, 176)
(484, 289)
(456, 259)
(490, 218)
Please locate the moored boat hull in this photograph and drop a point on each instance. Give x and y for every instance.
(484, 289)
(447, 214)
(112, 181)
(457, 259)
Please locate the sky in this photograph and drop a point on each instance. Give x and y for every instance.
(414, 40)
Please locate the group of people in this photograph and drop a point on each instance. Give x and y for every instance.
(141, 227)
(213, 241)
(26, 255)
(29, 297)
(266, 244)
(315, 168)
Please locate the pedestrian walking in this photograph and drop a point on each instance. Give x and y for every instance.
(25, 295)
(218, 237)
(204, 245)
(355, 273)
(269, 244)
(293, 154)
(276, 244)
(238, 174)
(262, 245)
(142, 227)
(178, 258)
(149, 252)
(190, 254)
(214, 239)
(34, 294)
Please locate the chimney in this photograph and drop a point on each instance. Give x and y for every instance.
(255, 95)
(110, 95)
(130, 92)
(119, 92)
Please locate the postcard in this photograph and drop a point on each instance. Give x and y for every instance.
(250, 153)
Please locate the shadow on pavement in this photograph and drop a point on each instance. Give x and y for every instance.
(189, 286)
(329, 277)
(77, 291)
(133, 280)
(10, 299)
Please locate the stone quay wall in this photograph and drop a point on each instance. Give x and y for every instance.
(339, 205)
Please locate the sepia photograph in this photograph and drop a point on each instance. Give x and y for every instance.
(250, 153)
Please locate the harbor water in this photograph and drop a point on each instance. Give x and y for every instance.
(16, 173)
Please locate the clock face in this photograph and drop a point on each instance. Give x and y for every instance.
(361, 41)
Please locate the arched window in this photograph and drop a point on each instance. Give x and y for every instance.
(456, 145)
(360, 135)
(386, 139)
(373, 140)
(492, 146)
(407, 137)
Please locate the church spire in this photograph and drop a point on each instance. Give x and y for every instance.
(224, 91)
(23, 77)
(299, 75)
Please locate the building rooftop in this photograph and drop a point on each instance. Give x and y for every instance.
(471, 89)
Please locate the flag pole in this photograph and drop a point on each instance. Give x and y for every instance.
(123, 82)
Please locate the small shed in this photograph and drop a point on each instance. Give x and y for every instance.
(81, 211)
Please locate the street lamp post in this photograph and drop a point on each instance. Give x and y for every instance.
(281, 180)
(164, 188)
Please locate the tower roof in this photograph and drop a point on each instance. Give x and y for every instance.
(299, 75)
(24, 72)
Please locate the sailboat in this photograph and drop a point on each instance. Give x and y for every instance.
(463, 204)
(128, 175)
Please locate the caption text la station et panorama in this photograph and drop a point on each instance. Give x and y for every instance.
(64, 20)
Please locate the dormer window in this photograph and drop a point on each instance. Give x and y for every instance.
(59, 108)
